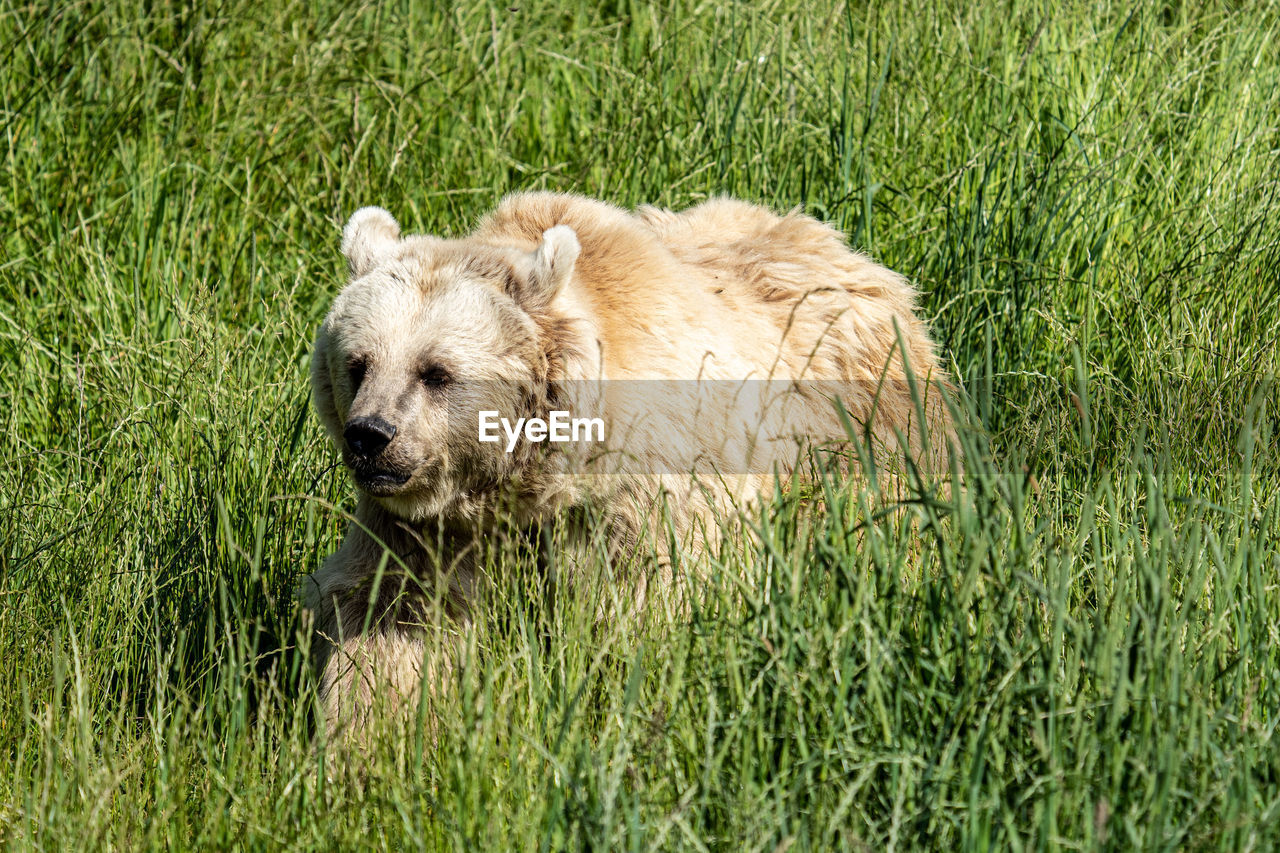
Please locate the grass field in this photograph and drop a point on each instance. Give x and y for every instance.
(1081, 650)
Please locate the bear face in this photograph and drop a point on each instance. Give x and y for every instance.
(427, 333)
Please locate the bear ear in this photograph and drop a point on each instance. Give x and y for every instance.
(553, 262)
(371, 233)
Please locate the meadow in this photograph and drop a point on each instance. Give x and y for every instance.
(1080, 649)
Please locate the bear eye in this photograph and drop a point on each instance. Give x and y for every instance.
(357, 366)
(435, 377)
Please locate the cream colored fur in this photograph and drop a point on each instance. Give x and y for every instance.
(561, 301)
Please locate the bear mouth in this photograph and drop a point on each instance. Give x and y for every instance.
(380, 482)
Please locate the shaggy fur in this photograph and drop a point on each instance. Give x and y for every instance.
(548, 297)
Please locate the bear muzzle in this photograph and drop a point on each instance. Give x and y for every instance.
(367, 437)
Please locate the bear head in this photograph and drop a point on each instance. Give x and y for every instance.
(427, 333)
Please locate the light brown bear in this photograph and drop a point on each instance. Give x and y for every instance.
(707, 342)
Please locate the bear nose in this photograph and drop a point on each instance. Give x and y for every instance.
(367, 436)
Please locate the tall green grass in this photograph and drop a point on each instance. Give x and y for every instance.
(1079, 650)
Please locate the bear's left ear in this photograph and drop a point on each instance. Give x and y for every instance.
(371, 233)
(552, 263)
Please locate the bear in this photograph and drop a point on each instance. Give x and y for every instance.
(690, 335)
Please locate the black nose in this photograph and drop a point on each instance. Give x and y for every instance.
(367, 436)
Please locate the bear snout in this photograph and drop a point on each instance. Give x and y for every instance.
(368, 436)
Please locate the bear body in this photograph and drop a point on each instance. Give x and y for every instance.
(701, 339)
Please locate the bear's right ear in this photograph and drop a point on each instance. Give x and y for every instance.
(370, 234)
(552, 263)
